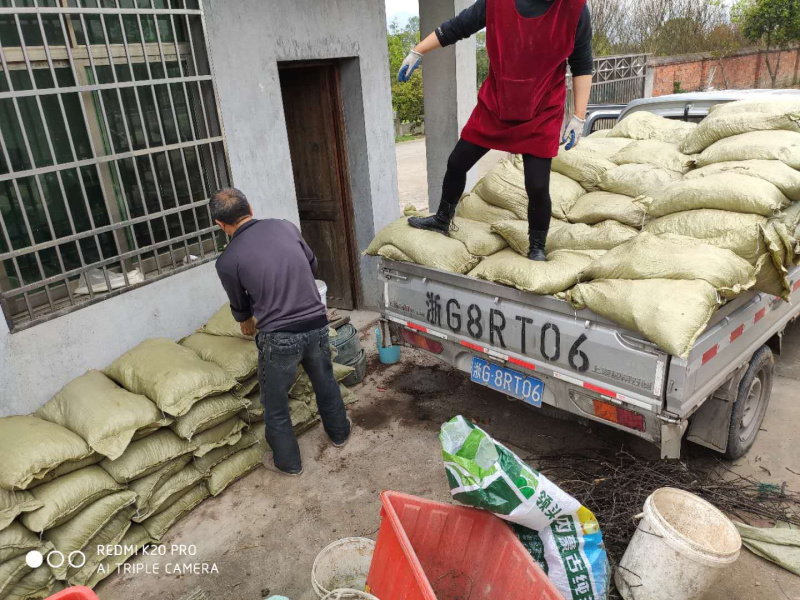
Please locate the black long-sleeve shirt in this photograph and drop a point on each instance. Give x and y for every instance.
(471, 20)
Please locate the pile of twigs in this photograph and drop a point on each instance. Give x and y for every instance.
(615, 484)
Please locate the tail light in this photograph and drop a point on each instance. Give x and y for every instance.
(620, 416)
(420, 341)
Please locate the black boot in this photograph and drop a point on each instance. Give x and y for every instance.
(439, 222)
(538, 239)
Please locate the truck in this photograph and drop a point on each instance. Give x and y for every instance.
(539, 350)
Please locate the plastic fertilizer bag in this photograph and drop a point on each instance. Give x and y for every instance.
(170, 375)
(223, 324)
(785, 178)
(145, 487)
(13, 504)
(745, 116)
(758, 145)
(158, 525)
(147, 455)
(671, 314)
(606, 206)
(643, 125)
(170, 492)
(475, 208)
(559, 273)
(485, 474)
(225, 434)
(427, 248)
(674, 257)
(102, 413)
(726, 191)
(582, 165)
(233, 468)
(239, 357)
(208, 413)
(638, 180)
(658, 154)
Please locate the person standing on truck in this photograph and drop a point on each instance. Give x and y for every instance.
(521, 104)
(267, 271)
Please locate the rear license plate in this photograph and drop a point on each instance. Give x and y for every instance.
(509, 382)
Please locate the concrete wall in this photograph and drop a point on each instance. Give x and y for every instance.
(743, 70)
(247, 38)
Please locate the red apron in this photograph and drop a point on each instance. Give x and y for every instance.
(521, 104)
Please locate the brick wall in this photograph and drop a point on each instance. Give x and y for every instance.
(746, 69)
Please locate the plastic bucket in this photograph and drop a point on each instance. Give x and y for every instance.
(323, 291)
(343, 564)
(680, 548)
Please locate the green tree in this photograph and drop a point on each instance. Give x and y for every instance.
(775, 23)
(483, 58)
(407, 98)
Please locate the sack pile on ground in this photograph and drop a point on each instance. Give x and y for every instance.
(655, 222)
(119, 456)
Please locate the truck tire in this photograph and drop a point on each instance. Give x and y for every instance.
(751, 403)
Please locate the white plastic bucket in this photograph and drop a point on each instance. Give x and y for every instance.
(343, 564)
(680, 548)
(323, 291)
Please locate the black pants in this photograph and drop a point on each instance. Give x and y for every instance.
(537, 181)
(279, 355)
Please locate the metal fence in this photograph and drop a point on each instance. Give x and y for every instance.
(617, 80)
(110, 148)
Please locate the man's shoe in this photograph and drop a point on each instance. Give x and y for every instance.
(538, 240)
(343, 443)
(270, 465)
(439, 222)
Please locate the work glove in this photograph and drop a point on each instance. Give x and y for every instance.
(410, 65)
(573, 132)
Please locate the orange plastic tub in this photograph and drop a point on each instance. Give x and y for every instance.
(432, 551)
(75, 593)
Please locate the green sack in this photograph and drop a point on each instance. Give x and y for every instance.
(638, 180)
(238, 357)
(674, 257)
(427, 248)
(224, 434)
(653, 152)
(785, 178)
(390, 252)
(605, 146)
(223, 324)
(75, 534)
(477, 237)
(36, 585)
(605, 206)
(208, 413)
(68, 467)
(134, 540)
(233, 468)
(158, 525)
(475, 208)
(671, 314)
(147, 455)
(15, 541)
(146, 486)
(779, 544)
(246, 387)
(64, 497)
(110, 535)
(644, 125)
(205, 463)
(559, 273)
(11, 573)
(31, 447)
(100, 412)
(13, 504)
(737, 232)
(758, 145)
(727, 191)
(740, 117)
(516, 233)
(170, 375)
(603, 236)
(303, 387)
(582, 165)
(170, 492)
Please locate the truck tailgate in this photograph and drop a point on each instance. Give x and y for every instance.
(527, 332)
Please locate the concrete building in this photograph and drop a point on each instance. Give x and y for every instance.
(105, 173)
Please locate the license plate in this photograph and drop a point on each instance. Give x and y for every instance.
(509, 382)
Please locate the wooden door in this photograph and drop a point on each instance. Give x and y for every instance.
(315, 125)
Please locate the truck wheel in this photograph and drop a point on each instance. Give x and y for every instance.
(751, 403)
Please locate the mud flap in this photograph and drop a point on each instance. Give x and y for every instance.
(671, 435)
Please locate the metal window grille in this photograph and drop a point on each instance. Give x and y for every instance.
(110, 147)
(617, 80)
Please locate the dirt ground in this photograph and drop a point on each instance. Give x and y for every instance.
(262, 534)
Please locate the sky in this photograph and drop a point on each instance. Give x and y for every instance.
(402, 10)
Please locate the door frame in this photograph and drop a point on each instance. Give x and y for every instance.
(342, 167)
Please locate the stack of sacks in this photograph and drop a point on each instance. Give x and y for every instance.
(741, 196)
(237, 356)
(664, 287)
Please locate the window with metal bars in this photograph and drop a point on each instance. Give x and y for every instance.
(110, 148)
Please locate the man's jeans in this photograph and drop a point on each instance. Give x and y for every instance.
(279, 354)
